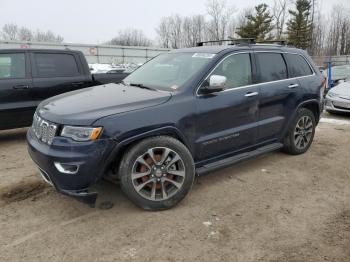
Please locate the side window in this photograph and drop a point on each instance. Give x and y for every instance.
(55, 65)
(237, 69)
(272, 67)
(297, 66)
(12, 66)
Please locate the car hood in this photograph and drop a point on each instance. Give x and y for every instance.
(343, 89)
(85, 106)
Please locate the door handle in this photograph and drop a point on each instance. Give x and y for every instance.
(21, 87)
(250, 94)
(291, 86)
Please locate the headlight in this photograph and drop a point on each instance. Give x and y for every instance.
(331, 94)
(78, 133)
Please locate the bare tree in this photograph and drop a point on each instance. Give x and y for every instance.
(220, 16)
(242, 17)
(175, 23)
(9, 32)
(170, 31)
(193, 29)
(130, 37)
(198, 29)
(48, 36)
(330, 36)
(176, 31)
(232, 28)
(279, 12)
(187, 30)
(338, 36)
(13, 32)
(163, 31)
(318, 34)
(25, 34)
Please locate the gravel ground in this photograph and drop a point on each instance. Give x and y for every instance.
(272, 208)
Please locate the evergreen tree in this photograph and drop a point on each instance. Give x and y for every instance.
(299, 27)
(257, 25)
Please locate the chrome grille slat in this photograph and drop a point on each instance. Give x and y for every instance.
(44, 126)
(52, 133)
(43, 130)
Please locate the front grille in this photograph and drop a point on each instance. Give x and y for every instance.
(44, 130)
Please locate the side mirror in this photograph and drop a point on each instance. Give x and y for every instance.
(216, 84)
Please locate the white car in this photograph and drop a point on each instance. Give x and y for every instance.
(338, 98)
(111, 71)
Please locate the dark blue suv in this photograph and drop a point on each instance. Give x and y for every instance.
(183, 113)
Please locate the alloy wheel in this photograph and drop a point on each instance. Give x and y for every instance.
(158, 174)
(303, 132)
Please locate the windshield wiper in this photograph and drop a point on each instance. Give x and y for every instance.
(142, 86)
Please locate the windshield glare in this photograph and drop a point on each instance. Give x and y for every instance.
(341, 71)
(169, 71)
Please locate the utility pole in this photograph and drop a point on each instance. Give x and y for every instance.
(312, 27)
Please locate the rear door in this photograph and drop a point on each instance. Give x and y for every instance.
(56, 73)
(17, 103)
(279, 95)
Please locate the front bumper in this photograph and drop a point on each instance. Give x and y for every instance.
(84, 196)
(90, 157)
(337, 104)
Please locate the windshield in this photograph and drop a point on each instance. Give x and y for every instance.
(341, 72)
(169, 71)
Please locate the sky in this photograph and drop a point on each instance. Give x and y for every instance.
(95, 22)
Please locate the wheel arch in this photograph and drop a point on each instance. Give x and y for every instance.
(118, 151)
(313, 106)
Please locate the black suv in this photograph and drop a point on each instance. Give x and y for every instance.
(186, 112)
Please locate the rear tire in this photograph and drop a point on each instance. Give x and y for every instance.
(301, 134)
(157, 173)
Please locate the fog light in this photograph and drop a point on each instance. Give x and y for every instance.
(67, 168)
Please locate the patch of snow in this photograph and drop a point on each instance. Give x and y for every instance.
(207, 223)
(335, 121)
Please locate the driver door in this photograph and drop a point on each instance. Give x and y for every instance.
(227, 121)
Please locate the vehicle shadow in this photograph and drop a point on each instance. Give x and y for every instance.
(110, 192)
(13, 135)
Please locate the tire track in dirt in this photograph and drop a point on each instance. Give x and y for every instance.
(48, 229)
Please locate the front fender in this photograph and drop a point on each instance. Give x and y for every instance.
(166, 130)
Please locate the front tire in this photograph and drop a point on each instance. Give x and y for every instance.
(157, 173)
(301, 134)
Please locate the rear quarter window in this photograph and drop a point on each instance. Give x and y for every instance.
(272, 67)
(55, 65)
(297, 66)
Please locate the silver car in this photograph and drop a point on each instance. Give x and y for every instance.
(338, 98)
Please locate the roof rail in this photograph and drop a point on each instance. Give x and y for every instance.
(279, 42)
(232, 41)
